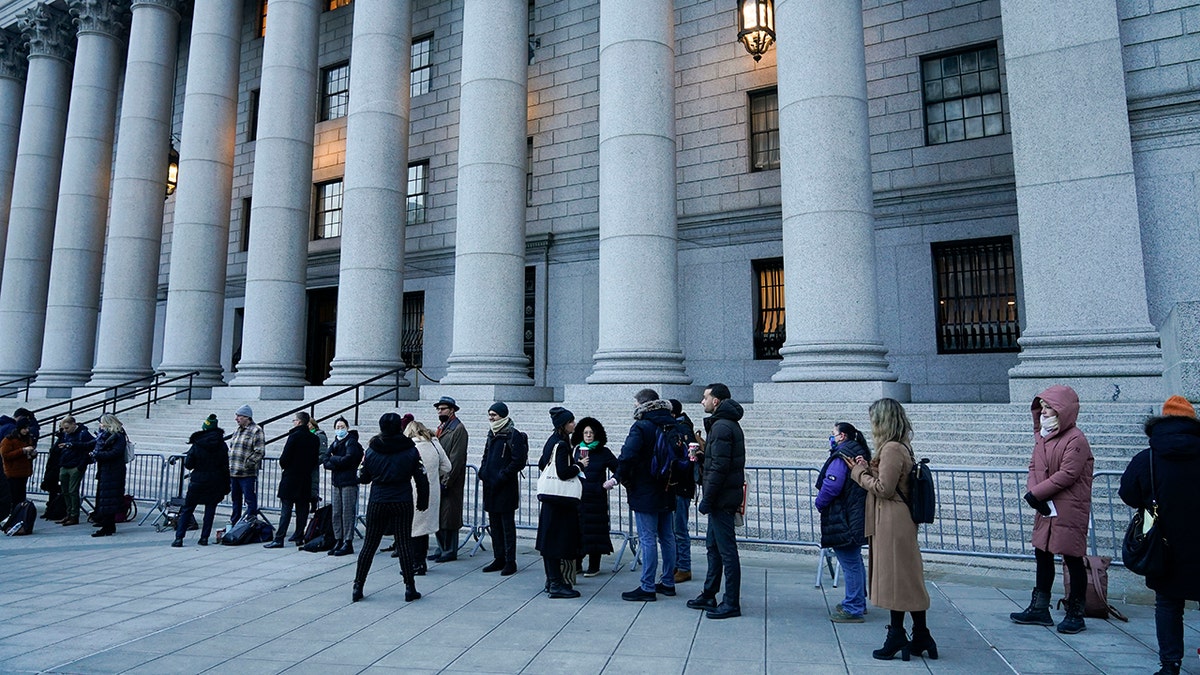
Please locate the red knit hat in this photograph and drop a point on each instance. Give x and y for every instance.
(1178, 406)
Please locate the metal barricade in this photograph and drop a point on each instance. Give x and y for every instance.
(143, 480)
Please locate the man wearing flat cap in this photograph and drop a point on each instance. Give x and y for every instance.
(453, 437)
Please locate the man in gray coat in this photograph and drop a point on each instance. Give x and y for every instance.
(453, 437)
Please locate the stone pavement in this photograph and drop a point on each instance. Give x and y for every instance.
(130, 603)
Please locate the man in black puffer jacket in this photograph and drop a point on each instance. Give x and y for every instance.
(724, 484)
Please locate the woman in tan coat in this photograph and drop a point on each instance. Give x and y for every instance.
(896, 573)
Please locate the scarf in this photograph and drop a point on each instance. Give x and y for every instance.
(646, 407)
(589, 446)
(500, 425)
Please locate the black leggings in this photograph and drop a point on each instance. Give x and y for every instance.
(918, 620)
(1045, 573)
(394, 518)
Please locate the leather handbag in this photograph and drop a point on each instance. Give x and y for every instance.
(549, 484)
(1144, 550)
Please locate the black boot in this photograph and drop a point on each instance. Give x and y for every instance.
(559, 590)
(1171, 668)
(922, 641)
(337, 547)
(356, 594)
(410, 592)
(347, 549)
(1037, 613)
(896, 641)
(1073, 623)
(494, 566)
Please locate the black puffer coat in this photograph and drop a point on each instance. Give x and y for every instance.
(842, 522)
(646, 494)
(298, 459)
(593, 507)
(110, 473)
(392, 465)
(504, 458)
(724, 459)
(208, 460)
(344, 457)
(1175, 444)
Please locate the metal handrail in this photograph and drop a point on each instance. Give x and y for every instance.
(150, 390)
(70, 403)
(28, 380)
(359, 401)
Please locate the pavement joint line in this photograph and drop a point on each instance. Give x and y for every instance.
(523, 605)
(990, 644)
(563, 627)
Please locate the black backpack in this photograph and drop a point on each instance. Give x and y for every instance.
(21, 521)
(318, 536)
(252, 529)
(670, 465)
(922, 502)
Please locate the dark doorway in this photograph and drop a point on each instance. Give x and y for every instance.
(322, 333)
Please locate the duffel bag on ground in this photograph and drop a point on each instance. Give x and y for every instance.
(253, 529)
(21, 520)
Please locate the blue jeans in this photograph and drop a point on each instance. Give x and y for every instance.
(854, 576)
(247, 486)
(683, 540)
(654, 529)
(1168, 623)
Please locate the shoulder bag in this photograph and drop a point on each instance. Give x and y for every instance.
(549, 484)
(1144, 549)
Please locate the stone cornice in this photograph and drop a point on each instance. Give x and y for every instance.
(48, 32)
(14, 55)
(104, 17)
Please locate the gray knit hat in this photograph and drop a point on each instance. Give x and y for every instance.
(245, 411)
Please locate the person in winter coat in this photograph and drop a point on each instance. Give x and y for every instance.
(247, 447)
(591, 443)
(75, 444)
(897, 573)
(842, 504)
(208, 460)
(685, 494)
(505, 454)
(322, 454)
(1060, 491)
(454, 439)
(345, 454)
(109, 455)
(392, 466)
(18, 453)
(558, 521)
(301, 454)
(434, 458)
(1175, 453)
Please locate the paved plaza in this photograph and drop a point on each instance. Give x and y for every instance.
(130, 603)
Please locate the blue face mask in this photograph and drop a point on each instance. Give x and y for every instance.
(341, 433)
(832, 443)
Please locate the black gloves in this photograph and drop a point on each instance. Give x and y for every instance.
(1037, 504)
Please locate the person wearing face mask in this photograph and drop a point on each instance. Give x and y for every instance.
(1060, 492)
(345, 454)
(454, 439)
(843, 507)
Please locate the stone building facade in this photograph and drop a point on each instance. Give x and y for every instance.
(535, 199)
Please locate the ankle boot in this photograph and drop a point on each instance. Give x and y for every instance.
(896, 641)
(1073, 623)
(347, 548)
(357, 593)
(494, 566)
(922, 641)
(1171, 668)
(1037, 613)
(410, 593)
(336, 548)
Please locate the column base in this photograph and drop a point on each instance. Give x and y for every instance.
(345, 372)
(1181, 350)
(111, 377)
(210, 376)
(832, 363)
(846, 391)
(252, 392)
(60, 379)
(623, 393)
(54, 392)
(483, 394)
(1114, 366)
(632, 367)
(270, 376)
(487, 369)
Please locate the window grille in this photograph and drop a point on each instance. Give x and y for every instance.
(335, 91)
(769, 332)
(976, 286)
(418, 192)
(252, 116)
(530, 324)
(764, 130)
(412, 340)
(329, 210)
(245, 224)
(962, 95)
(421, 77)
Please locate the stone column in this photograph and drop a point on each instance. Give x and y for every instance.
(35, 188)
(280, 218)
(68, 348)
(200, 233)
(14, 62)
(1086, 318)
(489, 253)
(639, 323)
(833, 349)
(373, 204)
(126, 337)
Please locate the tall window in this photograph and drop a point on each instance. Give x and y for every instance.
(976, 286)
(262, 18)
(962, 95)
(329, 210)
(528, 171)
(252, 116)
(335, 91)
(769, 333)
(421, 77)
(529, 327)
(412, 338)
(418, 192)
(244, 244)
(334, 4)
(764, 130)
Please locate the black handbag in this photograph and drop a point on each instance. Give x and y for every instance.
(1144, 550)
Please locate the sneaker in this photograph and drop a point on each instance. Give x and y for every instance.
(668, 591)
(702, 601)
(591, 573)
(842, 616)
(865, 610)
(682, 576)
(639, 595)
(724, 611)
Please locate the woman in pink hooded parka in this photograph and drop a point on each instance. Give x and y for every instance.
(1060, 492)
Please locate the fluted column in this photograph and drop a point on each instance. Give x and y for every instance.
(373, 204)
(200, 230)
(73, 304)
(14, 62)
(126, 337)
(35, 189)
(489, 251)
(1086, 317)
(277, 265)
(833, 349)
(639, 323)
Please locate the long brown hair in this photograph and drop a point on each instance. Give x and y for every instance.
(889, 423)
